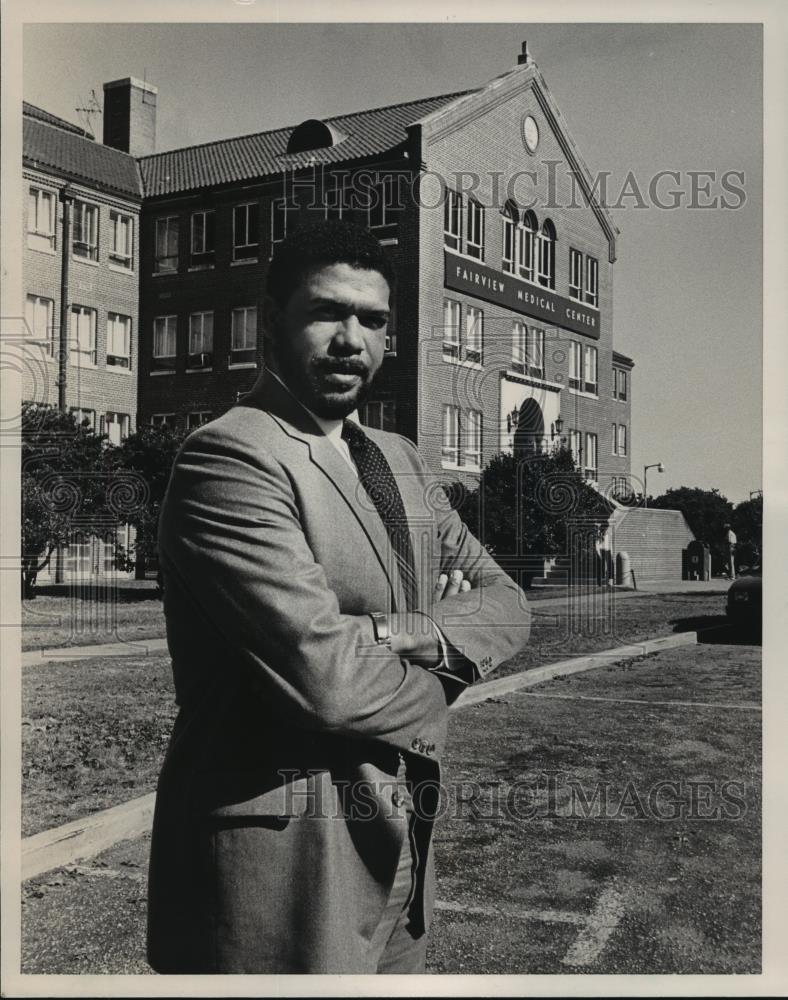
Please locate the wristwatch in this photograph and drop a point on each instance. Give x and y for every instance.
(380, 626)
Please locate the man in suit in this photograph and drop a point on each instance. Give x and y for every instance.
(324, 606)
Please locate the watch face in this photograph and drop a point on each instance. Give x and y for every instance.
(530, 133)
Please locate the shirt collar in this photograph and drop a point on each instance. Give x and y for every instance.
(332, 428)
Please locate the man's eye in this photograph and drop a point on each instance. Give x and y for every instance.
(374, 321)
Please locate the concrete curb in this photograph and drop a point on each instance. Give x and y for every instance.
(84, 838)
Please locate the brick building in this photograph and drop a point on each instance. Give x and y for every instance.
(503, 320)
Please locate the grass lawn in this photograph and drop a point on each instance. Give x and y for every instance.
(58, 618)
(94, 731)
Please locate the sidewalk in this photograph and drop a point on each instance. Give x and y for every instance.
(156, 647)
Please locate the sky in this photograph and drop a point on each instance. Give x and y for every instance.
(637, 98)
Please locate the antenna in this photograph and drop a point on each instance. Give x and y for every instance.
(88, 112)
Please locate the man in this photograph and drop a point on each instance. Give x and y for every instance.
(730, 547)
(322, 612)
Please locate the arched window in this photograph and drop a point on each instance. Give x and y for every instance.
(526, 246)
(547, 254)
(510, 217)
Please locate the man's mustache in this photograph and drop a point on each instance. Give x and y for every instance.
(342, 366)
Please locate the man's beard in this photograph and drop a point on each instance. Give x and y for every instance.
(316, 390)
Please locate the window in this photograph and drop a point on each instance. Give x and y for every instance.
(335, 199)
(451, 435)
(278, 220)
(474, 334)
(475, 244)
(85, 231)
(452, 219)
(245, 231)
(85, 418)
(473, 440)
(590, 470)
(381, 414)
(40, 319)
(534, 351)
(619, 384)
(244, 335)
(163, 419)
(118, 340)
(203, 236)
(390, 346)
(82, 335)
(615, 439)
(575, 364)
(592, 281)
(509, 227)
(197, 418)
(526, 246)
(41, 219)
(576, 445)
(166, 254)
(519, 346)
(451, 329)
(383, 203)
(200, 340)
(164, 343)
(78, 555)
(547, 254)
(583, 368)
(590, 370)
(116, 426)
(575, 274)
(622, 439)
(121, 230)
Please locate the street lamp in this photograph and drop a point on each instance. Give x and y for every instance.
(660, 468)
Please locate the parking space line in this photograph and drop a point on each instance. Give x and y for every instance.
(602, 921)
(742, 705)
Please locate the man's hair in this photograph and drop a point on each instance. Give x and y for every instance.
(320, 244)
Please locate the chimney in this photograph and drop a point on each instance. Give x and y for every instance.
(524, 59)
(130, 116)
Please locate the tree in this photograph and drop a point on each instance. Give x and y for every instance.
(707, 512)
(149, 453)
(65, 467)
(528, 507)
(747, 523)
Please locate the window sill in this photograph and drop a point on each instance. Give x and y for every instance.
(82, 364)
(466, 256)
(119, 269)
(475, 365)
(242, 364)
(585, 395)
(119, 370)
(164, 274)
(200, 267)
(580, 302)
(190, 371)
(51, 251)
(392, 241)
(84, 260)
(453, 467)
(247, 260)
(163, 371)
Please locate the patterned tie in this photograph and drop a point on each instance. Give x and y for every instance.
(378, 480)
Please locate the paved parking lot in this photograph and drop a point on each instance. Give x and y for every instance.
(607, 822)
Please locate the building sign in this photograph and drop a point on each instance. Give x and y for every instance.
(463, 275)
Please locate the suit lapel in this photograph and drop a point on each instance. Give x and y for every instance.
(267, 394)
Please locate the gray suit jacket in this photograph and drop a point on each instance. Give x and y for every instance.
(275, 838)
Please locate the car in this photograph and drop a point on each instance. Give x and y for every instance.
(744, 600)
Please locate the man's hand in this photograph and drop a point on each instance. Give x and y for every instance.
(450, 584)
